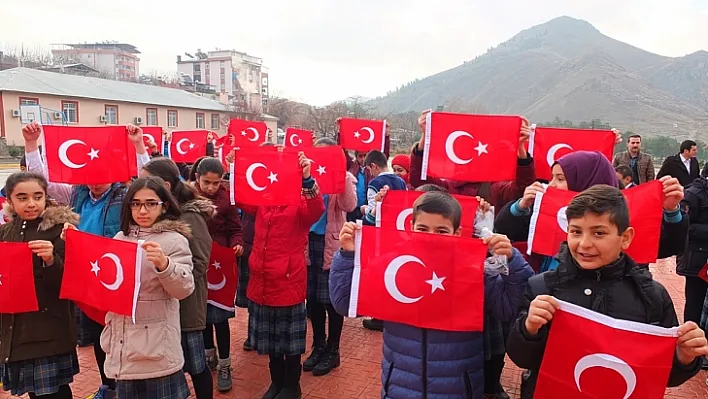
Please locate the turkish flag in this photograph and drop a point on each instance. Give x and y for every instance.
(474, 148)
(362, 135)
(17, 291)
(154, 134)
(88, 155)
(329, 168)
(102, 272)
(589, 355)
(188, 145)
(396, 211)
(248, 133)
(548, 228)
(298, 138)
(262, 176)
(547, 144)
(703, 274)
(424, 280)
(3, 217)
(222, 277)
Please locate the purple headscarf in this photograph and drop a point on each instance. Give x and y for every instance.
(584, 169)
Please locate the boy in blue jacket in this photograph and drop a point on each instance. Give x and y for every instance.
(426, 363)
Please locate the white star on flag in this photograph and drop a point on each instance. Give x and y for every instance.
(436, 283)
(273, 177)
(321, 170)
(191, 146)
(243, 132)
(217, 265)
(481, 148)
(93, 154)
(357, 134)
(94, 268)
(0, 279)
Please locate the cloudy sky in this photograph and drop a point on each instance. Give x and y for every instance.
(321, 51)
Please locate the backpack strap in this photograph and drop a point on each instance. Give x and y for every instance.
(538, 285)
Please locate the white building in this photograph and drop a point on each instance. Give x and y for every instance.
(114, 60)
(240, 76)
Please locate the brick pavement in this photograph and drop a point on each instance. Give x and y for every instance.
(359, 375)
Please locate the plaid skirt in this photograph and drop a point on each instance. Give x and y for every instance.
(277, 330)
(194, 352)
(317, 279)
(216, 315)
(242, 286)
(169, 387)
(41, 376)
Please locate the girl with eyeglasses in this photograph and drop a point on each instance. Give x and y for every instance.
(145, 357)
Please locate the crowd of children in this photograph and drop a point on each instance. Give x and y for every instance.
(296, 262)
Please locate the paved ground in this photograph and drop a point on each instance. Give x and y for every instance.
(359, 375)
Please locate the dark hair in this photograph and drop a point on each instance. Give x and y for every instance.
(325, 141)
(157, 185)
(267, 144)
(23, 161)
(634, 136)
(21, 177)
(427, 188)
(439, 203)
(205, 165)
(376, 157)
(599, 200)
(624, 170)
(168, 171)
(686, 145)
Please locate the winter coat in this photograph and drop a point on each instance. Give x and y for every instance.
(671, 241)
(355, 167)
(196, 214)
(225, 228)
(623, 290)
(278, 270)
(497, 194)
(434, 364)
(339, 206)
(673, 166)
(151, 348)
(695, 253)
(50, 331)
(645, 166)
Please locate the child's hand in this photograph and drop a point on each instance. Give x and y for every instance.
(484, 206)
(155, 255)
(499, 244)
(238, 250)
(346, 236)
(541, 313)
(135, 134)
(305, 164)
(530, 195)
(231, 156)
(691, 343)
(67, 227)
(32, 131)
(43, 249)
(381, 194)
(673, 193)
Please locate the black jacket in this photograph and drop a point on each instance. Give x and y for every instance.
(622, 290)
(695, 253)
(674, 167)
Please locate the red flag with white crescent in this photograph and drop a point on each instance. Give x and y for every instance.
(154, 135)
(298, 138)
(362, 135)
(396, 211)
(248, 133)
(265, 176)
(18, 293)
(222, 277)
(188, 145)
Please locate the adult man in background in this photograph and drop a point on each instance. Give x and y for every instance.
(638, 162)
(683, 166)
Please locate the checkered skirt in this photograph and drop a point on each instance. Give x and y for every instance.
(277, 330)
(317, 279)
(41, 376)
(241, 298)
(215, 315)
(169, 387)
(194, 352)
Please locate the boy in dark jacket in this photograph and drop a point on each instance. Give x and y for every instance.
(595, 274)
(425, 363)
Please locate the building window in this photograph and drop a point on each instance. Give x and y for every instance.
(215, 121)
(112, 114)
(71, 111)
(200, 120)
(29, 101)
(171, 118)
(151, 116)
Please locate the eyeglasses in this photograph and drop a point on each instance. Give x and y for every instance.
(150, 205)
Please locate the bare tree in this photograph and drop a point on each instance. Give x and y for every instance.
(29, 57)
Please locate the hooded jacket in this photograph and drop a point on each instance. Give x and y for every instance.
(51, 331)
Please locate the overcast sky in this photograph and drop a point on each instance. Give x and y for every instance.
(321, 51)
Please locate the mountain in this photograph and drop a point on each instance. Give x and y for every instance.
(567, 68)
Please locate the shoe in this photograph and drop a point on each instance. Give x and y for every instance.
(318, 351)
(277, 379)
(291, 388)
(373, 324)
(211, 360)
(224, 382)
(327, 363)
(104, 393)
(247, 345)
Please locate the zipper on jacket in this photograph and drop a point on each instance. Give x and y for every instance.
(425, 363)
